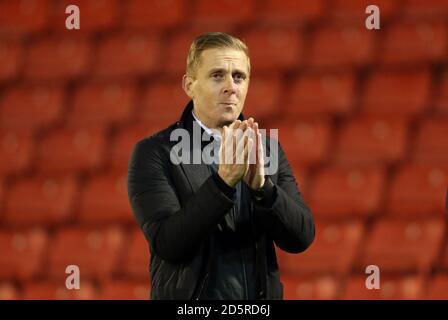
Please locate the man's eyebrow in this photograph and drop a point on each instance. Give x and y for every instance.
(224, 71)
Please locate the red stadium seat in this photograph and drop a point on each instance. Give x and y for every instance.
(332, 252)
(339, 192)
(94, 15)
(18, 18)
(16, 148)
(94, 251)
(61, 58)
(127, 55)
(102, 104)
(292, 11)
(154, 13)
(164, 101)
(104, 200)
(321, 93)
(341, 46)
(72, 149)
(438, 287)
(426, 9)
(136, 259)
(384, 93)
(372, 139)
(355, 10)
(442, 96)
(310, 288)
(223, 12)
(11, 53)
(40, 201)
(274, 49)
(124, 290)
(402, 287)
(431, 144)
(22, 253)
(30, 106)
(125, 140)
(305, 141)
(411, 43)
(56, 290)
(8, 291)
(262, 100)
(418, 190)
(403, 245)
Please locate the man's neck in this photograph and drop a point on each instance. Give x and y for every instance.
(205, 126)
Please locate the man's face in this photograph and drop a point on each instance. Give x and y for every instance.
(219, 86)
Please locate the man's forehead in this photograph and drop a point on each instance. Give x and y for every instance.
(215, 58)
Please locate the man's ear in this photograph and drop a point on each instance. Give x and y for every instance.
(187, 85)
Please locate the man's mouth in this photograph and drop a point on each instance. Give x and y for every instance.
(230, 104)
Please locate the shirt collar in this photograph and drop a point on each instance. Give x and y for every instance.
(210, 132)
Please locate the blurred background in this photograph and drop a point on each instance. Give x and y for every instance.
(362, 115)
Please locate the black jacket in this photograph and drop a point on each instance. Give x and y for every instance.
(179, 206)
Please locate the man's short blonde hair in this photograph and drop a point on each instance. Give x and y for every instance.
(212, 40)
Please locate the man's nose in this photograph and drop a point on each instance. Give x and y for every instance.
(229, 85)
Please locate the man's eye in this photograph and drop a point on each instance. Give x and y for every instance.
(217, 76)
(239, 77)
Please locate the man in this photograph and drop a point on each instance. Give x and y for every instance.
(212, 227)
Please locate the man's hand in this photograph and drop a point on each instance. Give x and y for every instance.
(255, 174)
(234, 152)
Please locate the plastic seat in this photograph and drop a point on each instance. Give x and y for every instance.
(310, 288)
(291, 11)
(104, 200)
(223, 12)
(18, 18)
(72, 150)
(305, 141)
(8, 291)
(125, 140)
(30, 106)
(274, 49)
(56, 290)
(332, 252)
(403, 245)
(438, 287)
(411, 43)
(154, 13)
(163, 101)
(262, 100)
(431, 144)
(421, 9)
(137, 256)
(127, 55)
(341, 46)
(124, 290)
(16, 148)
(22, 253)
(418, 190)
(314, 94)
(58, 58)
(339, 192)
(11, 53)
(95, 251)
(442, 96)
(372, 140)
(384, 93)
(354, 10)
(400, 287)
(95, 16)
(102, 104)
(40, 201)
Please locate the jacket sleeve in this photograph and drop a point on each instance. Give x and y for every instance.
(287, 219)
(174, 232)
